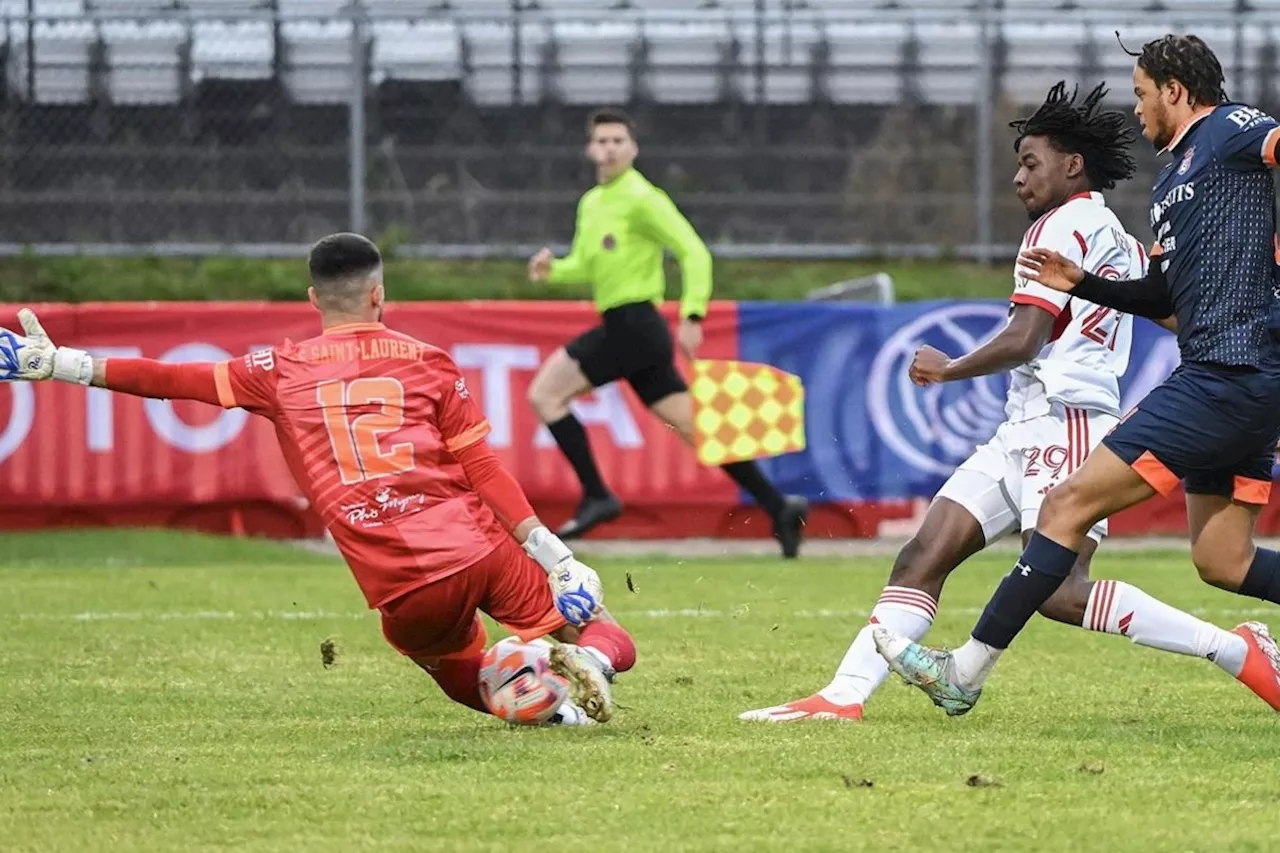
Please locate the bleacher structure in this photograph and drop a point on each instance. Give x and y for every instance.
(227, 120)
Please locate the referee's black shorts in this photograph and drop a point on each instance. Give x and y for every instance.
(632, 343)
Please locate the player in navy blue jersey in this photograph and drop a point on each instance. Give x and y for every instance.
(1213, 425)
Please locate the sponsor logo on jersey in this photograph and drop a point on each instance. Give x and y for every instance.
(1186, 160)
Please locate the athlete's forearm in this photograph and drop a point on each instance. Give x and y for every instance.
(695, 277)
(568, 270)
(1143, 297)
(498, 489)
(669, 226)
(1025, 335)
(144, 377)
(1000, 355)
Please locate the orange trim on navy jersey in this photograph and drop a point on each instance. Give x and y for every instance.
(1269, 146)
(1027, 299)
(1186, 126)
(468, 438)
(222, 382)
(344, 328)
(1157, 475)
(1249, 491)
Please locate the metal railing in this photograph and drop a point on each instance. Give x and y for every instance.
(782, 129)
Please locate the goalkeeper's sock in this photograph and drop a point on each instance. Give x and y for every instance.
(459, 678)
(576, 447)
(1263, 578)
(1117, 608)
(753, 481)
(905, 611)
(609, 643)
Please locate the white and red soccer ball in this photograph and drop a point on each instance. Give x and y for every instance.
(517, 684)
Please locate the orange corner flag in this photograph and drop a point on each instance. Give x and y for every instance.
(743, 410)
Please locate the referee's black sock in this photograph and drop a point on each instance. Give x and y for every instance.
(575, 446)
(1263, 579)
(749, 476)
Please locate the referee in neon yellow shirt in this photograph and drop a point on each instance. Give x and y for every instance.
(623, 225)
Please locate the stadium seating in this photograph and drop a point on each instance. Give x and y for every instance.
(583, 51)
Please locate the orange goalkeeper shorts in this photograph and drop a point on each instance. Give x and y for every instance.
(440, 619)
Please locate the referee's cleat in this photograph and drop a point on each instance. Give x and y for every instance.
(591, 512)
(788, 525)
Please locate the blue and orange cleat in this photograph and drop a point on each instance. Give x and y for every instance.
(815, 707)
(1261, 670)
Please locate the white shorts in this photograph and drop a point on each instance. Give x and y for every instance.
(1005, 480)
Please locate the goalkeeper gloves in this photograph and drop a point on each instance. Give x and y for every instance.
(34, 357)
(576, 587)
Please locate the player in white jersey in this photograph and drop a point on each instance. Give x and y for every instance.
(1066, 357)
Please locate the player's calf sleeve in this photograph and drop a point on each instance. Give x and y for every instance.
(1263, 578)
(1118, 608)
(753, 481)
(612, 642)
(1043, 567)
(459, 678)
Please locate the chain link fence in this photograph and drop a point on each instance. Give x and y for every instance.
(781, 128)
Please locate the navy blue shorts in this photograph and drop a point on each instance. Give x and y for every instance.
(1213, 428)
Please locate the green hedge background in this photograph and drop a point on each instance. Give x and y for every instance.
(91, 279)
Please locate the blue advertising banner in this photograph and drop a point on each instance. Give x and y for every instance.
(872, 434)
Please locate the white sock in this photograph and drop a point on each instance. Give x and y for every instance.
(904, 611)
(974, 661)
(1118, 608)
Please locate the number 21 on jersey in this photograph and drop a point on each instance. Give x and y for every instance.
(355, 440)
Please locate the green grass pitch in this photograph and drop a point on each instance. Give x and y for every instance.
(166, 692)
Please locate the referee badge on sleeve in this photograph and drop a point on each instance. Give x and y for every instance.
(743, 410)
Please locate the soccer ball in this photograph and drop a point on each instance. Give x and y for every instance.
(517, 684)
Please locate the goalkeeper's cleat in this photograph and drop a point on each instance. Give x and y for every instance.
(814, 707)
(1261, 670)
(570, 714)
(591, 512)
(932, 670)
(788, 525)
(588, 681)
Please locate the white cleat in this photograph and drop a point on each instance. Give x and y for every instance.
(570, 714)
(588, 681)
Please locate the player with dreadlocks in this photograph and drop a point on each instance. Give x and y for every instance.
(1212, 425)
(1066, 355)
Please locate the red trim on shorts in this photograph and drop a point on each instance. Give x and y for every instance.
(1156, 473)
(1246, 490)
